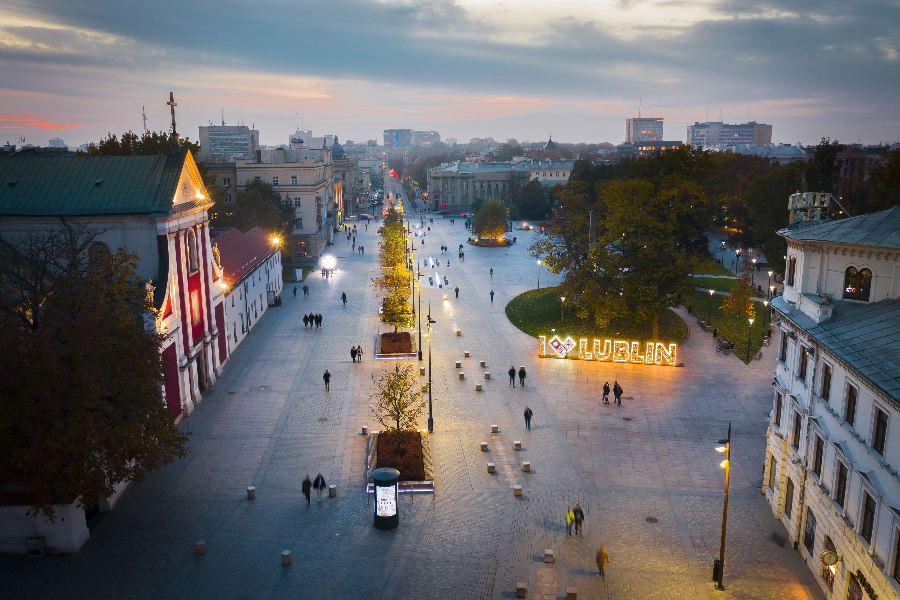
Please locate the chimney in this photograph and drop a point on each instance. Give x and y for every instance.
(259, 156)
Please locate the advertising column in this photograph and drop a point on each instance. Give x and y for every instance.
(386, 511)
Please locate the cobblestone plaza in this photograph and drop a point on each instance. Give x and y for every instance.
(646, 474)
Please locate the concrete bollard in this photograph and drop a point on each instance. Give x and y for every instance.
(495, 429)
(332, 491)
(571, 593)
(459, 332)
(517, 445)
(484, 446)
(548, 555)
(365, 430)
(421, 370)
(200, 547)
(517, 490)
(487, 375)
(521, 589)
(477, 387)
(285, 557)
(458, 364)
(483, 364)
(466, 354)
(462, 375)
(526, 466)
(251, 492)
(491, 467)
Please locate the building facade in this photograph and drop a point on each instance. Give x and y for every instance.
(645, 148)
(643, 129)
(716, 133)
(833, 451)
(223, 142)
(399, 138)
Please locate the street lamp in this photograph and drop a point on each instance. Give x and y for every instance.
(749, 333)
(709, 314)
(539, 273)
(765, 316)
(419, 310)
(719, 569)
(563, 319)
(430, 414)
(770, 285)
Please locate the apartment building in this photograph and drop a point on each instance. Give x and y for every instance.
(223, 142)
(716, 133)
(643, 130)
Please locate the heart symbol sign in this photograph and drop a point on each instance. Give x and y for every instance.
(562, 347)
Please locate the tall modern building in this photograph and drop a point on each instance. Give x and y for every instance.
(427, 138)
(399, 138)
(643, 130)
(716, 133)
(221, 142)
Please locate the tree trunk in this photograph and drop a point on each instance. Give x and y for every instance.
(655, 323)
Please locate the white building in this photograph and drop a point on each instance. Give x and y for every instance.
(251, 278)
(223, 142)
(717, 133)
(833, 452)
(644, 129)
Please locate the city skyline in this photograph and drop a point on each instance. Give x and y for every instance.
(467, 69)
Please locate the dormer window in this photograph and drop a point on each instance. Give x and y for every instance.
(857, 284)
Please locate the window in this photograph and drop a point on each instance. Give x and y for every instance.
(881, 420)
(232, 300)
(778, 408)
(828, 572)
(795, 438)
(193, 264)
(801, 371)
(850, 406)
(809, 537)
(453, 184)
(792, 267)
(275, 180)
(788, 497)
(226, 181)
(818, 455)
(195, 308)
(773, 477)
(826, 382)
(782, 354)
(840, 488)
(97, 253)
(897, 558)
(868, 517)
(857, 284)
(227, 198)
(300, 223)
(293, 180)
(298, 202)
(301, 246)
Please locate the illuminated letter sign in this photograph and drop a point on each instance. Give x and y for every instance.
(562, 347)
(621, 352)
(655, 353)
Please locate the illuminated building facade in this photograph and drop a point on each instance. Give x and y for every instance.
(718, 134)
(643, 129)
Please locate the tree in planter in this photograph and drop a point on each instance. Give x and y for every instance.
(83, 411)
(394, 282)
(490, 220)
(398, 404)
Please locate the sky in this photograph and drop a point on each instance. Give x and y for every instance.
(526, 69)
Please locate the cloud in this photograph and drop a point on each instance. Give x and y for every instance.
(18, 121)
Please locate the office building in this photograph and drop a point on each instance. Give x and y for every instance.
(427, 138)
(223, 142)
(643, 129)
(716, 133)
(399, 138)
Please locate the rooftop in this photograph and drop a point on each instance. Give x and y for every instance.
(240, 253)
(521, 166)
(880, 229)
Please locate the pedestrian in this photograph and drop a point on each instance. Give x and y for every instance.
(363, 249)
(307, 488)
(492, 296)
(602, 559)
(305, 290)
(305, 321)
(354, 245)
(344, 297)
(617, 390)
(319, 320)
(359, 353)
(512, 376)
(492, 272)
(570, 518)
(367, 225)
(295, 291)
(353, 353)
(327, 378)
(606, 393)
(319, 485)
(528, 415)
(457, 291)
(579, 518)
(522, 376)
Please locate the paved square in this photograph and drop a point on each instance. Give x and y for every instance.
(646, 473)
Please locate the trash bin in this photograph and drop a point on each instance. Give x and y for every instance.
(716, 566)
(715, 332)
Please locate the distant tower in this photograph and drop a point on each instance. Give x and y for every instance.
(144, 113)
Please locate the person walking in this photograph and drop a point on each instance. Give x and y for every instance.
(602, 559)
(344, 297)
(353, 247)
(492, 296)
(319, 485)
(307, 488)
(528, 415)
(457, 291)
(359, 353)
(617, 390)
(319, 319)
(579, 518)
(492, 272)
(327, 378)
(512, 376)
(305, 321)
(522, 376)
(295, 291)
(353, 353)
(305, 290)
(606, 393)
(570, 518)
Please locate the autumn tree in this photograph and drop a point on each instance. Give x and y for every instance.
(740, 301)
(397, 402)
(533, 201)
(395, 279)
(884, 183)
(83, 411)
(490, 220)
(257, 205)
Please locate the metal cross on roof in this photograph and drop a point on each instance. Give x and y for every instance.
(173, 104)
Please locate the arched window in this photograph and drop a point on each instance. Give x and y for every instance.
(193, 265)
(792, 268)
(857, 284)
(97, 252)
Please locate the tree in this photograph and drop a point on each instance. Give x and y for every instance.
(740, 301)
(513, 192)
(884, 183)
(257, 205)
(824, 173)
(490, 220)
(397, 403)
(83, 411)
(534, 201)
(506, 152)
(395, 279)
(766, 201)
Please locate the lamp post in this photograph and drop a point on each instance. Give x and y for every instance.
(419, 310)
(765, 316)
(539, 263)
(770, 285)
(430, 414)
(749, 333)
(563, 317)
(719, 572)
(709, 314)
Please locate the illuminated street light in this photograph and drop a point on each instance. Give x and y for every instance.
(709, 314)
(749, 333)
(275, 240)
(719, 565)
(540, 263)
(563, 318)
(329, 262)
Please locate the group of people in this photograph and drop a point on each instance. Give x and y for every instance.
(305, 290)
(317, 484)
(576, 517)
(617, 393)
(356, 353)
(312, 320)
(512, 376)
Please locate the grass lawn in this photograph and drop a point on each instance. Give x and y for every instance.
(287, 273)
(732, 328)
(721, 285)
(714, 268)
(536, 312)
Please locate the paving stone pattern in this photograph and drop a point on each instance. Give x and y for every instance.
(646, 473)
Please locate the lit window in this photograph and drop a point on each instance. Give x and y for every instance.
(195, 307)
(857, 284)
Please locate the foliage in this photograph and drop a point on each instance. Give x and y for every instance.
(398, 404)
(533, 201)
(257, 205)
(507, 152)
(409, 461)
(767, 211)
(884, 183)
(720, 284)
(395, 279)
(513, 193)
(734, 329)
(83, 411)
(740, 303)
(490, 220)
(538, 312)
(824, 168)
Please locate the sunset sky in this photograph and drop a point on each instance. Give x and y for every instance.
(523, 68)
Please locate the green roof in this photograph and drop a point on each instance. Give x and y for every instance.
(89, 185)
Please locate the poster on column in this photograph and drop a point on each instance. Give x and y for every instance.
(386, 500)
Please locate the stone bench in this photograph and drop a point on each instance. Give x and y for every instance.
(285, 557)
(517, 445)
(495, 429)
(421, 370)
(462, 375)
(548, 555)
(365, 430)
(466, 354)
(487, 375)
(491, 467)
(484, 446)
(459, 332)
(477, 387)
(517, 490)
(458, 364)
(200, 547)
(526, 466)
(571, 593)
(482, 364)
(251, 492)
(332, 491)
(521, 589)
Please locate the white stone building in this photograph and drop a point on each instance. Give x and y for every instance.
(833, 452)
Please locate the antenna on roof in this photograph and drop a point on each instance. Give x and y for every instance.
(223, 116)
(144, 114)
(639, 108)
